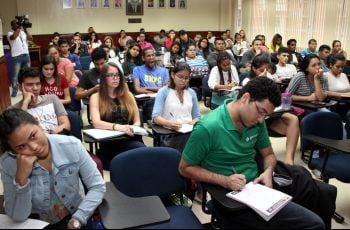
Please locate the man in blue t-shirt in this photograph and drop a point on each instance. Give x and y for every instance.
(148, 79)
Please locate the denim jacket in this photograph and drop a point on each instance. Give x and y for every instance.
(70, 163)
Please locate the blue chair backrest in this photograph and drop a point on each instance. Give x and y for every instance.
(76, 124)
(322, 124)
(85, 62)
(147, 171)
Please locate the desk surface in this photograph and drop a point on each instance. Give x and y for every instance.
(121, 211)
(219, 193)
(89, 139)
(312, 106)
(340, 145)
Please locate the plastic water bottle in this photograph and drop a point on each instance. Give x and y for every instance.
(286, 100)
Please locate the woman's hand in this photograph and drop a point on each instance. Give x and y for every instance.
(318, 74)
(174, 125)
(127, 129)
(24, 168)
(312, 97)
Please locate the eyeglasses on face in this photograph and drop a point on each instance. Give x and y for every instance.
(260, 111)
(117, 75)
(181, 77)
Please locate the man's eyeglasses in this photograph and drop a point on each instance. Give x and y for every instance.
(261, 111)
(117, 75)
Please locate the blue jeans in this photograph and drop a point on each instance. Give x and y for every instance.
(18, 62)
(292, 216)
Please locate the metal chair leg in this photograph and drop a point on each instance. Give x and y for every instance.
(338, 218)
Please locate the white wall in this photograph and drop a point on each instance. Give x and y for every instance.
(49, 16)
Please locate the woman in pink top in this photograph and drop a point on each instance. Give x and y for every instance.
(64, 66)
(52, 82)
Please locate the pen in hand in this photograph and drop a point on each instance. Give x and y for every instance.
(234, 170)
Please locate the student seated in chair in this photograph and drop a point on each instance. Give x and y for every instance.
(149, 78)
(310, 84)
(113, 107)
(176, 104)
(222, 147)
(43, 174)
(90, 81)
(47, 109)
(222, 79)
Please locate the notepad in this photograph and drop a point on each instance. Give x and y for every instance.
(7, 223)
(234, 88)
(144, 95)
(265, 201)
(100, 134)
(185, 128)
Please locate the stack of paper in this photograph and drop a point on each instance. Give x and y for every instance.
(263, 200)
(100, 134)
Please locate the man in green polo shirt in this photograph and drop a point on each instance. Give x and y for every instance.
(222, 147)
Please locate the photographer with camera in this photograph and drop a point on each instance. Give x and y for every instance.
(19, 48)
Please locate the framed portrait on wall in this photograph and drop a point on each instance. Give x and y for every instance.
(182, 4)
(93, 4)
(118, 4)
(150, 3)
(172, 4)
(67, 4)
(161, 4)
(80, 4)
(105, 4)
(134, 7)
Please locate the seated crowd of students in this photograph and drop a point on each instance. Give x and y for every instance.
(118, 71)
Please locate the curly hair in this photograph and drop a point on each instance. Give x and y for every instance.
(261, 88)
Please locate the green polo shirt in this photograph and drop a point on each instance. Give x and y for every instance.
(216, 144)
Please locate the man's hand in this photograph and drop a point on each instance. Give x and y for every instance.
(235, 182)
(265, 178)
(28, 97)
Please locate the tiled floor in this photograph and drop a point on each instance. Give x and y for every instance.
(343, 205)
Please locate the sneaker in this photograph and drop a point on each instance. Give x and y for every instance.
(316, 173)
(198, 197)
(14, 93)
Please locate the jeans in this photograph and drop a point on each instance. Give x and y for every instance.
(292, 216)
(19, 62)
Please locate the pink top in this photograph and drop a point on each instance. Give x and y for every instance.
(64, 64)
(145, 45)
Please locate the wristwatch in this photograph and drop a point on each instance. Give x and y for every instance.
(76, 223)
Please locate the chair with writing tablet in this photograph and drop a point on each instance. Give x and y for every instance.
(326, 125)
(150, 171)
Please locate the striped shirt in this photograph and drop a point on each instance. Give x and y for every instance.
(299, 85)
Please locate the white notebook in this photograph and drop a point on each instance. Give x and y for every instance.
(263, 200)
(185, 128)
(7, 223)
(100, 134)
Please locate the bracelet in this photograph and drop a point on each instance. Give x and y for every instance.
(113, 127)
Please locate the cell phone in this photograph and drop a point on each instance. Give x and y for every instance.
(318, 102)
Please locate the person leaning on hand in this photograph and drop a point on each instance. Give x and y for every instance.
(42, 174)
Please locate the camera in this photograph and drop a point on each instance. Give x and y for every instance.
(24, 21)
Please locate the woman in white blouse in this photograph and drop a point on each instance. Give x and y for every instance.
(223, 77)
(338, 83)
